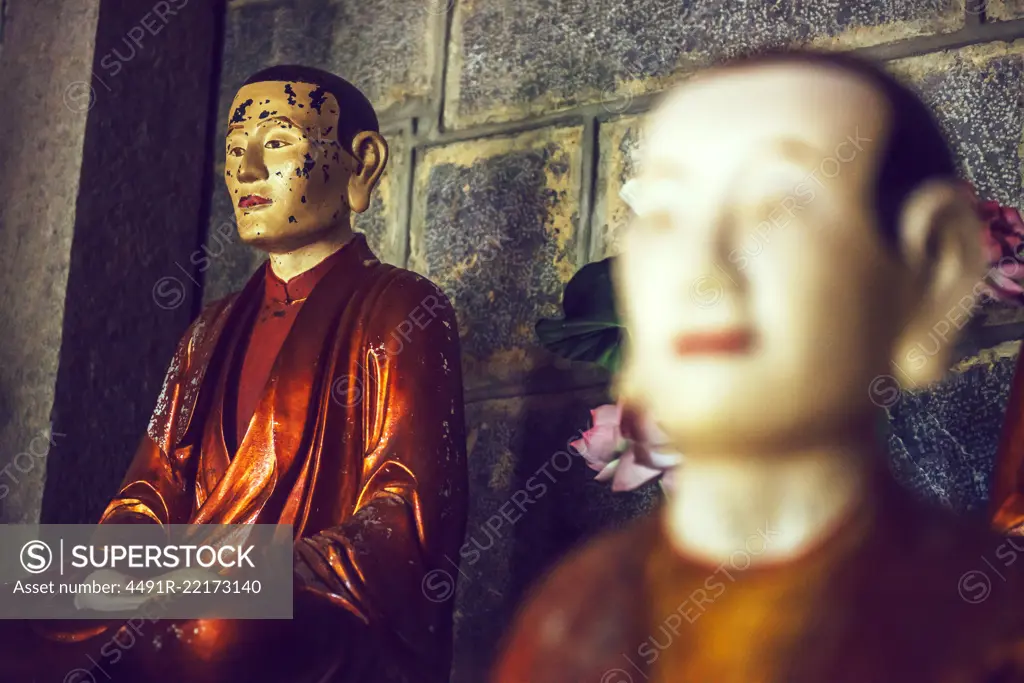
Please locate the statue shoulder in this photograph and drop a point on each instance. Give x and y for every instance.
(205, 320)
(408, 287)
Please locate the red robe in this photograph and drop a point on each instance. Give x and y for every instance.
(1006, 503)
(898, 593)
(358, 440)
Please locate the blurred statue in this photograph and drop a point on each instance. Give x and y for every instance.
(327, 394)
(799, 231)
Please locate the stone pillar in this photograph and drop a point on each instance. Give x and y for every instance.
(48, 46)
(103, 206)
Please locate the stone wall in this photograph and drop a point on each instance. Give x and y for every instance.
(514, 125)
(48, 45)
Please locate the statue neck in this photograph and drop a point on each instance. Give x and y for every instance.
(288, 265)
(794, 500)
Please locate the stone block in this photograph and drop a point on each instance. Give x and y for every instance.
(496, 225)
(386, 48)
(531, 500)
(976, 95)
(943, 441)
(384, 221)
(619, 145)
(1003, 10)
(509, 61)
(248, 47)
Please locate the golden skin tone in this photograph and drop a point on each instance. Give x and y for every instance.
(282, 145)
(778, 430)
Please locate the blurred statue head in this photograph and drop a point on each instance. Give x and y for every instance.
(800, 229)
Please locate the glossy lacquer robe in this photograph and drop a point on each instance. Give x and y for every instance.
(358, 441)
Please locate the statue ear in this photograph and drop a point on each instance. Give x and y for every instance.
(940, 245)
(371, 152)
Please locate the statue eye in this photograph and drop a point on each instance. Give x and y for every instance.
(235, 152)
(275, 144)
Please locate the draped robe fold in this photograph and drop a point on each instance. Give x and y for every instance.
(358, 441)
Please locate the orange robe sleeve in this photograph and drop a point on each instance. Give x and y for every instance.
(156, 489)
(410, 514)
(1007, 499)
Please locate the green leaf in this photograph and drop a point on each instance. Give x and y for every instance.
(591, 330)
(590, 294)
(582, 340)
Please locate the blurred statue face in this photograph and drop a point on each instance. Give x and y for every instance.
(754, 282)
(287, 173)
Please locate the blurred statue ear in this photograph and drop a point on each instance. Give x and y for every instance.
(940, 246)
(370, 150)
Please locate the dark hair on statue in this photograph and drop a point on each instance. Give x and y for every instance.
(355, 113)
(916, 150)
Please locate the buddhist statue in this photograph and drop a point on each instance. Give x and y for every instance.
(799, 231)
(327, 395)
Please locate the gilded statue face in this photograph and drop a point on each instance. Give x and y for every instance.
(291, 181)
(754, 282)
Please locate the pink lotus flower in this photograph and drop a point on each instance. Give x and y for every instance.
(1003, 245)
(626, 450)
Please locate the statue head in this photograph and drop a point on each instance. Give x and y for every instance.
(800, 233)
(303, 152)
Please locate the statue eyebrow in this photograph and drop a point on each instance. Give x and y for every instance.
(797, 151)
(278, 119)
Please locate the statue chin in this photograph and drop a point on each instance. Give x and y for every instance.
(277, 239)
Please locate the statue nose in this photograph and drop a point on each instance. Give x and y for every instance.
(252, 167)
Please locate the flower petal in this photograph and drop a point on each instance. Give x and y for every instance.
(630, 475)
(1013, 219)
(992, 248)
(607, 416)
(1005, 287)
(657, 459)
(608, 471)
(580, 446)
(600, 445)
